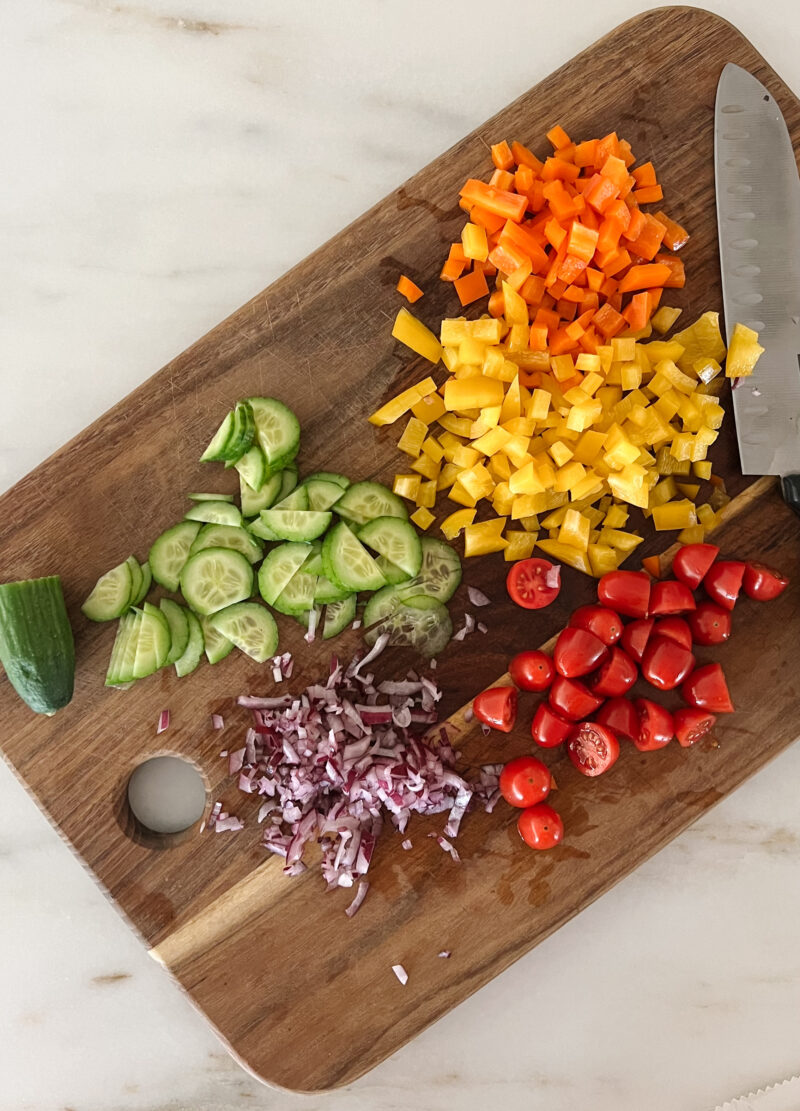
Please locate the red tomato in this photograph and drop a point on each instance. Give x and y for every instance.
(534, 583)
(603, 622)
(710, 624)
(656, 727)
(635, 636)
(577, 652)
(592, 748)
(573, 699)
(525, 781)
(616, 676)
(691, 724)
(706, 688)
(723, 582)
(549, 728)
(763, 582)
(666, 664)
(532, 670)
(692, 562)
(674, 628)
(540, 826)
(497, 707)
(670, 596)
(620, 715)
(625, 592)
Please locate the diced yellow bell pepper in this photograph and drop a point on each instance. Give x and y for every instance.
(474, 241)
(702, 339)
(423, 518)
(426, 498)
(517, 450)
(545, 472)
(502, 499)
(689, 489)
(681, 446)
(520, 545)
(674, 515)
(428, 409)
(555, 517)
(702, 470)
(668, 404)
(413, 437)
(630, 376)
(477, 481)
(516, 307)
(488, 418)
(593, 515)
(576, 395)
(450, 444)
(627, 485)
(447, 476)
(539, 404)
(467, 370)
(520, 426)
(471, 352)
(560, 453)
(399, 405)
(458, 426)
(433, 449)
(589, 446)
(602, 559)
(666, 463)
(575, 529)
(451, 526)
(460, 496)
(525, 481)
(499, 468)
(743, 353)
(706, 369)
(464, 456)
(426, 467)
(485, 537)
(622, 454)
(606, 353)
(517, 339)
(568, 475)
(666, 490)
(563, 553)
(705, 515)
(589, 364)
(622, 541)
(512, 402)
(624, 350)
(491, 442)
(659, 349)
(592, 383)
(616, 516)
(413, 333)
(504, 371)
(472, 393)
(563, 367)
(450, 358)
(582, 417)
(669, 370)
(528, 505)
(529, 523)
(694, 534)
(664, 318)
(590, 486)
(407, 485)
(487, 329)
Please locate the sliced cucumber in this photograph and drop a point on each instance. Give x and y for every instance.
(420, 622)
(295, 524)
(261, 530)
(297, 595)
(147, 582)
(210, 497)
(217, 646)
(215, 513)
(252, 467)
(393, 575)
(296, 499)
(137, 578)
(277, 430)
(215, 578)
(234, 436)
(327, 592)
(228, 536)
(111, 595)
(250, 627)
(364, 501)
(322, 494)
(314, 562)
(178, 628)
(123, 654)
(396, 540)
(289, 478)
(329, 476)
(216, 450)
(338, 615)
(152, 642)
(278, 568)
(440, 573)
(253, 501)
(170, 551)
(194, 648)
(347, 563)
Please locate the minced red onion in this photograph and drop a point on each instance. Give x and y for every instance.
(407, 844)
(163, 722)
(552, 576)
(477, 597)
(358, 899)
(313, 618)
(217, 721)
(445, 953)
(400, 973)
(469, 714)
(482, 628)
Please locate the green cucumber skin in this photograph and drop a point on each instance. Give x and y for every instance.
(37, 648)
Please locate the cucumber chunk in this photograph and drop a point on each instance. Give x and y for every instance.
(329, 476)
(252, 467)
(296, 499)
(152, 642)
(322, 494)
(262, 530)
(170, 552)
(111, 595)
(278, 568)
(216, 646)
(338, 615)
(364, 501)
(228, 536)
(295, 524)
(178, 628)
(347, 563)
(393, 575)
(250, 627)
(396, 540)
(289, 478)
(327, 592)
(210, 497)
(253, 501)
(420, 622)
(215, 512)
(215, 578)
(147, 582)
(137, 578)
(439, 574)
(194, 647)
(216, 450)
(277, 430)
(234, 436)
(298, 594)
(123, 654)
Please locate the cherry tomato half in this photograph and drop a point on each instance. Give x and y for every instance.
(532, 670)
(603, 622)
(674, 628)
(525, 781)
(573, 699)
(763, 582)
(707, 690)
(534, 583)
(635, 636)
(692, 562)
(666, 664)
(616, 676)
(723, 581)
(549, 728)
(592, 748)
(691, 724)
(577, 652)
(625, 592)
(656, 727)
(670, 596)
(497, 707)
(710, 624)
(540, 826)
(620, 715)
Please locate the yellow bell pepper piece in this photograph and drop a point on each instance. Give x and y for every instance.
(477, 481)
(467, 370)
(575, 529)
(458, 426)
(423, 518)
(472, 393)
(474, 242)
(485, 537)
(502, 499)
(560, 453)
(528, 505)
(451, 526)
(664, 319)
(426, 467)
(461, 497)
(407, 486)
(674, 515)
(705, 515)
(464, 456)
(517, 450)
(428, 409)
(563, 367)
(602, 559)
(582, 417)
(706, 369)
(447, 476)
(622, 541)
(499, 468)
(525, 481)
(433, 449)
(666, 490)
(413, 437)
(516, 307)
(399, 405)
(520, 545)
(427, 494)
(702, 339)
(471, 352)
(520, 426)
(450, 358)
(517, 339)
(413, 333)
(702, 470)
(568, 475)
(563, 553)
(689, 489)
(694, 534)
(590, 486)
(455, 330)
(491, 442)
(512, 402)
(743, 353)
(616, 516)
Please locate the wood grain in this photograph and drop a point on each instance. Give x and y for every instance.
(274, 964)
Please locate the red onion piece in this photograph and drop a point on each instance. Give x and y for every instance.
(358, 899)
(445, 953)
(407, 844)
(552, 576)
(477, 597)
(163, 722)
(400, 973)
(217, 721)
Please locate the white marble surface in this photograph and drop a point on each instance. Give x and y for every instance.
(164, 160)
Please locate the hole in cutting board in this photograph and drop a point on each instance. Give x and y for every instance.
(166, 797)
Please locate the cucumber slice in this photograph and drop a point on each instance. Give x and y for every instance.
(170, 551)
(347, 563)
(419, 622)
(110, 596)
(253, 501)
(277, 430)
(123, 654)
(137, 578)
(216, 578)
(261, 530)
(210, 497)
(217, 448)
(295, 524)
(329, 476)
(364, 501)
(233, 437)
(289, 478)
(297, 499)
(298, 594)
(178, 628)
(314, 562)
(278, 568)
(228, 536)
(194, 648)
(338, 615)
(152, 642)
(440, 573)
(327, 592)
(147, 582)
(252, 467)
(396, 540)
(215, 513)
(393, 575)
(217, 646)
(250, 627)
(321, 493)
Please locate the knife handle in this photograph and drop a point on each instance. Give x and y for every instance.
(790, 488)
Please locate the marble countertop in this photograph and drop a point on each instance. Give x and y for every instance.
(162, 161)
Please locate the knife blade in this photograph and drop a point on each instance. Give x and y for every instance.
(758, 219)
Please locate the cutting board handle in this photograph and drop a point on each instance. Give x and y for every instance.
(790, 488)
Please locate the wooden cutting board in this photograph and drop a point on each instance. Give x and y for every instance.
(304, 996)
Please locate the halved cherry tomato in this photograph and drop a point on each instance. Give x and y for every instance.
(573, 699)
(525, 781)
(540, 826)
(603, 622)
(534, 583)
(620, 715)
(691, 724)
(670, 596)
(497, 707)
(532, 670)
(549, 728)
(592, 748)
(706, 688)
(674, 628)
(656, 727)
(710, 624)
(666, 664)
(635, 636)
(692, 562)
(723, 581)
(616, 676)
(577, 652)
(763, 582)
(625, 592)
